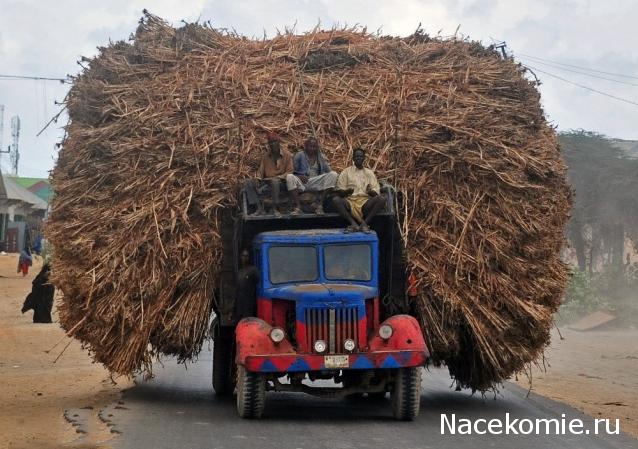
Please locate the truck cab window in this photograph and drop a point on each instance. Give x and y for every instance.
(348, 262)
(292, 264)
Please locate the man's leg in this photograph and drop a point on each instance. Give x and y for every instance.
(342, 208)
(322, 184)
(252, 197)
(370, 209)
(274, 189)
(294, 185)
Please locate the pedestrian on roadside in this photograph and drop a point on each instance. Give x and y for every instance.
(40, 300)
(25, 261)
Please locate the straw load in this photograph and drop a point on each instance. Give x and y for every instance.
(164, 128)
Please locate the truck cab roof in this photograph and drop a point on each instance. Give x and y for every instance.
(314, 236)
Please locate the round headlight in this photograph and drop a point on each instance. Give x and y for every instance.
(277, 334)
(349, 345)
(320, 346)
(385, 331)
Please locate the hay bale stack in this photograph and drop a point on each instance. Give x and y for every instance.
(164, 128)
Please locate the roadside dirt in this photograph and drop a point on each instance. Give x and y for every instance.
(35, 389)
(595, 372)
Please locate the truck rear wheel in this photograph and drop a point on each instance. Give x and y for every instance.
(223, 364)
(251, 394)
(406, 397)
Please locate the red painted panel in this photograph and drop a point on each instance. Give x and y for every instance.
(279, 310)
(264, 309)
(407, 335)
(363, 333)
(302, 343)
(253, 338)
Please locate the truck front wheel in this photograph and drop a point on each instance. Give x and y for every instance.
(406, 396)
(251, 394)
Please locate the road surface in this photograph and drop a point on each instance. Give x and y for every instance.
(178, 410)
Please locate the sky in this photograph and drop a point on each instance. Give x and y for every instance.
(46, 39)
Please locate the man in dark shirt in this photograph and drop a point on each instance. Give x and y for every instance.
(274, 165)
(247, 279)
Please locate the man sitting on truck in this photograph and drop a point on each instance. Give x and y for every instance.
(312, 173)
(273, 168)
(359, 199)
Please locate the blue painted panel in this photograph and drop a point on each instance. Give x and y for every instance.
(390, 362)
(268, 366)
(362, 362)
(299, 365)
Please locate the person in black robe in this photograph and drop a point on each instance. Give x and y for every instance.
(40, 300)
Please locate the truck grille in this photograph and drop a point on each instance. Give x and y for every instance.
(333, 326)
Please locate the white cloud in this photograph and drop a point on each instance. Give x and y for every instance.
(47, 38)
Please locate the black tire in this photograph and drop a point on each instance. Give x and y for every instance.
(406, 397)
(223, 365)
(251, 394)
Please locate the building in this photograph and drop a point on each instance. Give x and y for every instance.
(39, 186)
(21, 215)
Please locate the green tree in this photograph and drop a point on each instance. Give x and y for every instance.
(605, 210)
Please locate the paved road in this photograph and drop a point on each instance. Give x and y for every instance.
(177, 410)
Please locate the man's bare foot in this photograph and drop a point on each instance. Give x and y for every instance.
(295, 211)
(319, 210)
(276, 213)
(363, 227)
(351, 228)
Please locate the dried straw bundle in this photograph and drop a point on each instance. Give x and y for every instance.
(162, 130)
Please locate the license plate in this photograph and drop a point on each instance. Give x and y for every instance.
(336, 361)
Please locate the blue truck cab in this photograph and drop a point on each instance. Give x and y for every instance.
(318, 318)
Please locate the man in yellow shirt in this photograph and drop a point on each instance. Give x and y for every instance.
(358, 199)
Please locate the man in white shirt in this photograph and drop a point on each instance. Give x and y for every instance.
(312, 173)
(358, 199)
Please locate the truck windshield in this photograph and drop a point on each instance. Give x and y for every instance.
(292, 264)
(348, 262)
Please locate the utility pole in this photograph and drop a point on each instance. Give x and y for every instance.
(8, 150)
(501, 46)
(1, 124)
(14, 155)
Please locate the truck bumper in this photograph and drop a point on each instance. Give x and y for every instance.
(286, 363)
(256, 352)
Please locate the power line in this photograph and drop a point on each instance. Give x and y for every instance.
(40, 78)
(580, 67)
(582, 85)
(583, 73)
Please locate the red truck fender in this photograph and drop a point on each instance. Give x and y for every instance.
(406, 335)
(252, 336)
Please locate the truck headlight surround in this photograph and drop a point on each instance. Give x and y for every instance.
(349, 345)
(385, 331)
(277, 334)
(320, 346)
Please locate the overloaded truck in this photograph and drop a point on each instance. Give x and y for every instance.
(329, 305)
